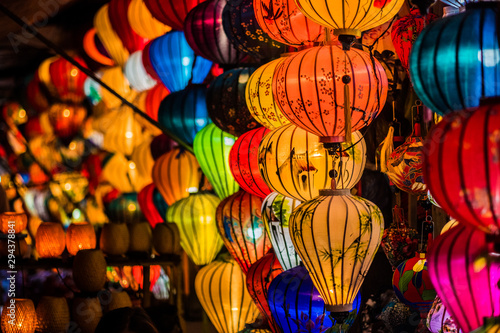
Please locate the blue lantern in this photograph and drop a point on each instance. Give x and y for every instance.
(185, 112)
(297, 306)
(456, 60)
(175, 63)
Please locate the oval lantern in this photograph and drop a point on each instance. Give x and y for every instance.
(20, 317)
(226, 102)
(171, 13)
(311, 94)
(211, 147)
(89, 270)
(296, 164)
(469, 191)
(185, 112)
(67, 80)
(136, 74)
(174, 62)
(259, 277)
(206, 36)
(453, 75)
(276, 210)
(439, 319)
(241, 227)
(154, 97)
(143, 22)
(148, 199)
(464, 278)
(117, 12)
(50, 240)
(160, 145)
(109, 38)
(244, 162)
(337, 236)
(195, 217)
(66, 119)
(80, 236)
(176, 174)
(220, 287)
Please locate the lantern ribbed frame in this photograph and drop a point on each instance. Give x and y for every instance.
(50, 240)
(80, 236)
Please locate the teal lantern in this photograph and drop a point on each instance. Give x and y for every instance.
(125, 209)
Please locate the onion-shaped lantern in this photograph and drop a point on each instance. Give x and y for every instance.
(296, 164)
(66, 119)
(241, 227)
(439, 319)
(327, 90)
(136, 74)
(67, 80)
(124, 209)
(171, 13)
(337, 236)
(152, 204)
(195, 217)
(109, 38)
(211, 148)
(143, 22)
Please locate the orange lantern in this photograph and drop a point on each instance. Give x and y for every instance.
(66, 119)
(18, 316)
(50, 240)
(68, 80)
(109, 37)
(90, 42)
(80, 236)
(143, 22)
(115, 78)
(12, 222)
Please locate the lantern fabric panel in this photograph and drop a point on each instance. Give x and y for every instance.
(171, 12)
(108, 36)
(142, 21)
(136, 74)
(23, 319)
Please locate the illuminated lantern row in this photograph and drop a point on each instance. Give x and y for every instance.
(311, 88)
(241, 227)
(66, 80)
(296, 164)
(136, 74)
(337, 236)
(464, 278)
(195, 217)
(143, 23)
(221, 289)
(152, 204)
(467, 140)
(66, 119)
(171, 13)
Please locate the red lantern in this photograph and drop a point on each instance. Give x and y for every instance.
(66, 119)
(153, 100)
(118, 11)
(147, 205)
(171, 13)
(259, 278)
(36, 98)
(462, 166)
(68, 80)
(244, 162)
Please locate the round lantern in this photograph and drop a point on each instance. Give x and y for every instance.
(117, 12)
(166, 238)
(80, 236)
(259, 277)
(226, 102)
(124, 209)
(116, 80)
(52, 315)
(67, 80)
(176, 174)
(412, 284)
(294, 163)
(146, 199)
(136, 74)
(50, 240)
(171, 13)
(241, 227)
(276, 210)
(195, 217)
(244, 32)
(206, 36)
(449, 64)
(220, 287)
(211, 147)
(439, 319)
(141, 237)
(160, 145)
(464, 278)
(115, 239)
(399, 243)
(109, 38)
(143, 22)
(244, 162)
(89, 270)
(185, 113)
(153, 99)
(469, 141)
(12, 222)
(337, 236)
(174, 62)
(86, 313)
(18, 316)
(66, 119)
(311, 87)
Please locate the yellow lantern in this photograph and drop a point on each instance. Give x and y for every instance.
(12, 222)
(122, 174)
(195, 217)
(222, 291)
(295, 163)
(80, 236)
(18, 316)
(143, 159)
(124, 134)
(50, 240)
(115, 78)
(259, 96)
(72, 185)
(143, 23)
(109, 37)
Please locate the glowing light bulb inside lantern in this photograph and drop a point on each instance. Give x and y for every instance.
(186, 61)
(67, 186)
(129, 135)
(489, 57)
(228, 141)
(72, 145)
(74, 72)
(254, 233)
(22, 113)
(131, 165)
(66, 113)
(192, 189)
(131, 207)
(201, 122)
(235, 309)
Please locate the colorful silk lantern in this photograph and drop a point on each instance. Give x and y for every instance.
(296, 164)
(122, 174)
(222, 292)
(310, 94)
(241, 227)
(80, 236)
(337, 236)
(160, 145)
(124, 133)
(118, 12)
(244, 162)
(18, 316)
(142, 21)
(453, 75)
(185, 112)
(464, 278)
(195, 217)
(439, 319)
(206, 36)
(174, 62)
(93, 47)
(176, 174)
(109, 38)
(149, 197)
(136, 74)
(469, 192)
(259, 277)
(66, 119)
(124, 209)
(115, 78)
(67, 80)
(226, 102)
(50, 240)
(171, 13)
(211, 147)
(12, 222)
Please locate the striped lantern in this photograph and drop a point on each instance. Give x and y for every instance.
(195, 217)
(221, 289)
(143, 159)
(176, 174)
(52, 315)
(148, 199)
(67, 80)
(143, 22)
(50, 240)
(464, 278)
(276, 210)
(66, 119)
(80, 236)
(241, 227)
(211, 147)
(18, 316)
(117, 12)
(244, 163)
(294, 163)
(171, 12)
(136, 74)
(109, 38)
(337, 236)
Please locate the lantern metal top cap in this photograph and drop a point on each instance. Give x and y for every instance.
(332, 192)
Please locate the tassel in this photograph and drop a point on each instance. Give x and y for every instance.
(346, 79)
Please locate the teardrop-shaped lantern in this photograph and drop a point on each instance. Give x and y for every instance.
(296, 164)
(143, 22)
(66, 119)
(67, 80)
(241, 227)
(211, 147)
(152, 204)
(176, 174)
(195, 217)
(337, 236)
(171, 13)
(136, 74)
(109, 38)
